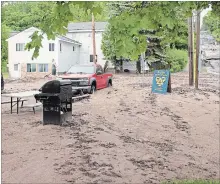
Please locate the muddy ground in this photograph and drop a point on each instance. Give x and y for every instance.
(122, 134)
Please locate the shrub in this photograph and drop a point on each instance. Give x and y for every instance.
(177, 59)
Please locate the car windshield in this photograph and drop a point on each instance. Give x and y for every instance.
(81, 70)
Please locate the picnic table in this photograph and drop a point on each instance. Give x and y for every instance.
(19, 96)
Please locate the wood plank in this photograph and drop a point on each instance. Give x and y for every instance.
(82, 96)
(22, 100)
(33, 105)
(21, 94)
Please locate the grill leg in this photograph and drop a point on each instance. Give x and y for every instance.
(34, 110)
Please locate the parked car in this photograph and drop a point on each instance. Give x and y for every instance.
(2, 83)
(87, 78)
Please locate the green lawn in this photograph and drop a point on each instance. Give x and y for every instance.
(193, 182)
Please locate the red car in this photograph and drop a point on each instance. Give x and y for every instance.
(87, 78)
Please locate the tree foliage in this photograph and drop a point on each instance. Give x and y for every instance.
(57, 21)
(4, 49)
(168, 19)
(22, 15)
(150, 27)
(51, 17)
(126, 21)
(177, 59)
(212, 23)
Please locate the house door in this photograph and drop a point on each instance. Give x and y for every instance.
(16, 73)
(53, 69)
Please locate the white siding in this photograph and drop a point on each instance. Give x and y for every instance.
(87, 46)
(67, 57)
(45, 56)
(64, 59)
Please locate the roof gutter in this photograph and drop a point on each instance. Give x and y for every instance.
(76, 43)
(77, 31)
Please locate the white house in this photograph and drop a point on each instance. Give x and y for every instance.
(63, 52)
(82, 32)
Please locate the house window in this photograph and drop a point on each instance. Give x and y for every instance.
(99, 69)
(15, 67)
(20, 46)
(60, 47)
(91, 58)
(42, 67)
(31, 67)
(51, 46)
(73, 48)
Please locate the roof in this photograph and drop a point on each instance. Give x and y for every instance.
(13, 33)
(65, 39)
(74, 27)
(86, 26)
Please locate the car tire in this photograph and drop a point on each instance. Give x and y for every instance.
(93, 89)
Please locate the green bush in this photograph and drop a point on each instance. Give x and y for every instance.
(177, 59)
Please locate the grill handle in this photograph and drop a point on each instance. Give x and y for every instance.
(44, 98)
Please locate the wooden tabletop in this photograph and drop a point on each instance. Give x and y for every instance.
(21, 94)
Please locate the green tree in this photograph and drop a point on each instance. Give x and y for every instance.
(85, 16)
(168, 19)
(177, 59)
(144, 27)
(22, 15)
(162, 16)
(4, 49)
(18, 16)
(212, 24)
(162, 24)
(57, 20)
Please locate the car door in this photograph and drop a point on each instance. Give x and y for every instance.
(99, 77)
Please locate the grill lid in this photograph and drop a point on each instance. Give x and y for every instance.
(55, 86)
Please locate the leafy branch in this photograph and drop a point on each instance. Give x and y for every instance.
(57, 20)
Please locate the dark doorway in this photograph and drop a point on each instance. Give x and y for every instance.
(54, 70)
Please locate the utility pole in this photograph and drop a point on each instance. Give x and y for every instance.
(197, 48)
(190, 50)
(93, 40)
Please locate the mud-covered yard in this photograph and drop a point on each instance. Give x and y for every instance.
(122, 134)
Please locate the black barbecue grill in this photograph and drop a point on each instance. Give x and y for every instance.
(56, 97)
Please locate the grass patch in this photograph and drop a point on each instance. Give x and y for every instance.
(193, 182)
(5, 75)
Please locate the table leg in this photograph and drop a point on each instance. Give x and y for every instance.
(11, 104)
(17, 105)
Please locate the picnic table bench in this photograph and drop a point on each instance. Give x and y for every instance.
(20, 98)
(80, 97)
